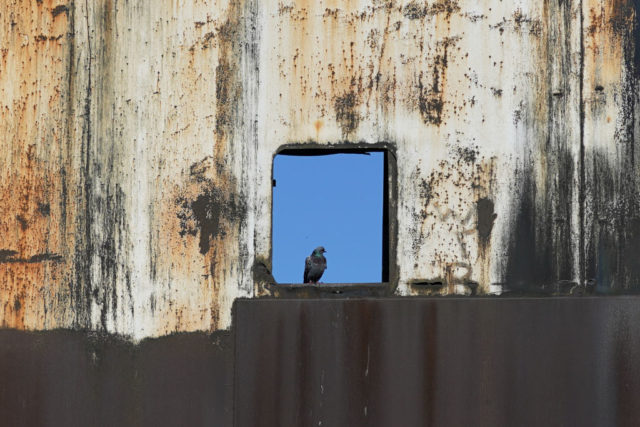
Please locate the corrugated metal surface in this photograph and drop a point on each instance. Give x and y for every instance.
(137, 141)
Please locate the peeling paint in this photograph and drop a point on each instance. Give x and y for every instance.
(137, 146)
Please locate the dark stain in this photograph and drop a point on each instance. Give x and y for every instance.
(529, 265)
(44, 209)
(199, 170)
(223, 86)
(414, 10)
(433, 283)
(45, 257)
(541, 253)
(80, 286)
(7, 254)
(63, 8)
(467, 154)
(17, 305)
(284, 9)
(228, 83)
(430, 106)
(24, 223)
(207, 39)
(613, 238)
(426, 194)
(486, 218)
(43, 37)
(521, 20)
(612, 252)
(347, 115)
(443, 6)
(262, 274)
(209, 213)
(431, 97)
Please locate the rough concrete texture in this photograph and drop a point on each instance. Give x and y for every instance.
(137, 141)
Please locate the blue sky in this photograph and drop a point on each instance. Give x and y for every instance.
(333, 201)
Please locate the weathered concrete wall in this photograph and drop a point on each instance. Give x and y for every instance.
(138, 137)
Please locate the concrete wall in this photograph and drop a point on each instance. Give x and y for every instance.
(138, 137)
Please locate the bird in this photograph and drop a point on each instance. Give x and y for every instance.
(314, 265)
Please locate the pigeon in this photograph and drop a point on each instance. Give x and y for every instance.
(314, 265)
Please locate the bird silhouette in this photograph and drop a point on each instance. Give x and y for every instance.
(314, 265)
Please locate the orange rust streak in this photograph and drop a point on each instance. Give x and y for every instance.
(32, 123)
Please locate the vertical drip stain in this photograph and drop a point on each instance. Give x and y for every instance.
(582, 190)
(613, 181)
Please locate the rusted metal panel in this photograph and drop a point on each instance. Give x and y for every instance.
(138, 142)
(57, 378)
(437, 362)
(384, 361)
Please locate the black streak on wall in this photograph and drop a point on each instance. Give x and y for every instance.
(540, 252)
(208, 210)
(347, 115)
(614, 244)
(486, 217)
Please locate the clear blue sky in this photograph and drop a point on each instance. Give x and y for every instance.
(333, 201)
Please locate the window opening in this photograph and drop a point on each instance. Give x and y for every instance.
(334, 199)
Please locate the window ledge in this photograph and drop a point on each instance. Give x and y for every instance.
(339, 290)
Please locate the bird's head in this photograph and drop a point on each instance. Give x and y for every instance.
(318, 251)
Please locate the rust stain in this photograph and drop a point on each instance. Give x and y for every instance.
(201, 214)
(36, 203)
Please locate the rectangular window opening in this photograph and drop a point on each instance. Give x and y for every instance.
(337, 200)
